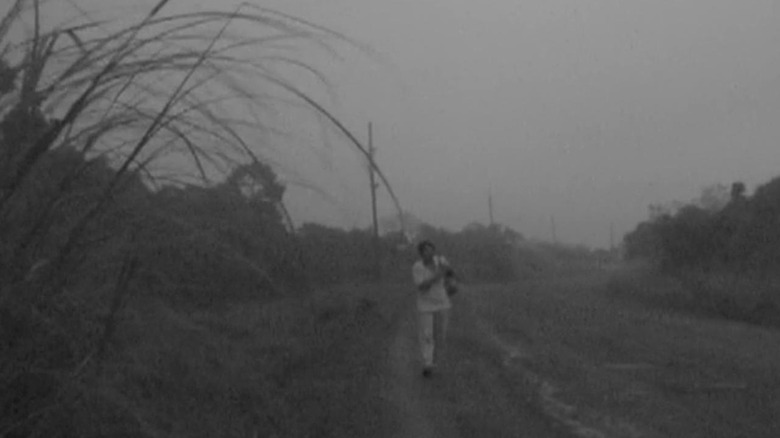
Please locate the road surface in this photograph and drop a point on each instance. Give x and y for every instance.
(562, 358)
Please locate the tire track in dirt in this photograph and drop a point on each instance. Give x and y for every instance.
(426, 408)
(403, 390)
(514, 354)
(580, 422)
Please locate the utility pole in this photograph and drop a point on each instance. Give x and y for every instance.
(374, 186)
(552, 229)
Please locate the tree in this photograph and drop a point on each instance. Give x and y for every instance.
(714, 197)
(737, 191)
(258, 183)
(91, 116)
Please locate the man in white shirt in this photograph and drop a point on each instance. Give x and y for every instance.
(433, 303)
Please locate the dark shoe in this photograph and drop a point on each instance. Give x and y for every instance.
(427, 372)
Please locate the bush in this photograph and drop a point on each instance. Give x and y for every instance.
(741, 236)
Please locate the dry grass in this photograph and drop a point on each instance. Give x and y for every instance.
(165, 88)
(163, 98)
(623, 365)
(738, 296)
(292, 367)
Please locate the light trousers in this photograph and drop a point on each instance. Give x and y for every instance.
(432, 331)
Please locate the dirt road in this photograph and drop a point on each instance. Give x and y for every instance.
(560, 358)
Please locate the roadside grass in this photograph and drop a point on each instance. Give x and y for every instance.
(629, 368)
(293, 367)
(747, 297)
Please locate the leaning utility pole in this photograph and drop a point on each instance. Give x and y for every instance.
(374, 187)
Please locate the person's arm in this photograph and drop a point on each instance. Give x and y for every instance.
(446, 268)
(423, 283)
(427, 284)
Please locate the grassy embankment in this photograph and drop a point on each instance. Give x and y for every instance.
(746, 297)
(303, 366)
(619, 354)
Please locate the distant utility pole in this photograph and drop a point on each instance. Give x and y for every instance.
(374, 187)
(490, 206)
(552, 229)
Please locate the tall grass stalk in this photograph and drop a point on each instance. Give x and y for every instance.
(197, 90)
(98, 88)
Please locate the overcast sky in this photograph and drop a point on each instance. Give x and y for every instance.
(585, 111)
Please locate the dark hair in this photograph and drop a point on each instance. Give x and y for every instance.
(425, 244)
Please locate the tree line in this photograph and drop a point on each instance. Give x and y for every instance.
(738, 234)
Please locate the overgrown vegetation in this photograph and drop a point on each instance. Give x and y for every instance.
(724, 252)
(139, 214)
(497, 253)
(152, 282)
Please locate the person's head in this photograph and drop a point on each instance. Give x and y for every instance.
(426, 249)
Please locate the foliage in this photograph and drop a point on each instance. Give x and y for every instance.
(134, 194)
(131, 172)
(497, 253)
(726, 258)
(741, 235)
(333, 255)
(478, 253)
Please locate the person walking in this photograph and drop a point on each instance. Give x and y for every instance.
(431, 274)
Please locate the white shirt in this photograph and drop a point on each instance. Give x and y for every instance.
(435, 298)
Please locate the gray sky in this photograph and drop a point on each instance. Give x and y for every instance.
(585, 110)
(582, 110)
